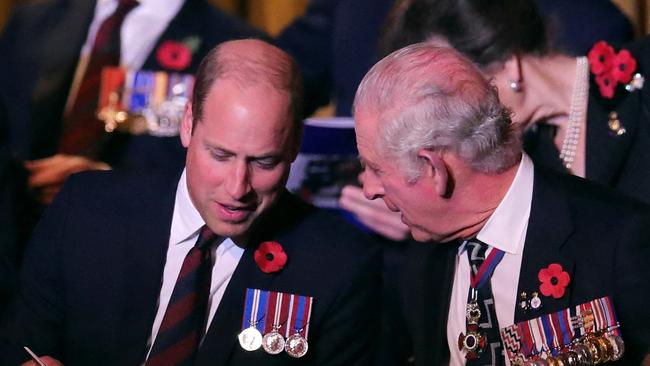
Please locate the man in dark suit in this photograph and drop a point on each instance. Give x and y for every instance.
(46, 45)
(99, 284)
(514, 242)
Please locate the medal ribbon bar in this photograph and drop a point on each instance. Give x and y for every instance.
(551, 333)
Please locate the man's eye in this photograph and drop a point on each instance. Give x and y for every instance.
(267, 163)
(219, 156)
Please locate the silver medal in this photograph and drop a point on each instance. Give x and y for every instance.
(250, 339)
(296, 346)
(273, 343)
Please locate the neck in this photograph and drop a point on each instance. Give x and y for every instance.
(482, 197)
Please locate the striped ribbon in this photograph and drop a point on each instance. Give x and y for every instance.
(289, 313)
(552, 332)
(487, 267)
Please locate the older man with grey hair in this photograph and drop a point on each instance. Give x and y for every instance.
(515, 243)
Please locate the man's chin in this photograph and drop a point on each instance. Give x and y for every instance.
(231, 230)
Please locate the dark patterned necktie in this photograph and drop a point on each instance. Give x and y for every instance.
(82, 131)
(489, 327)
(184, 321)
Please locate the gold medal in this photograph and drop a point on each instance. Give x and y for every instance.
(541, 362)
(552, 361)
(605, 348)
(250, 339)
(594, 351)
(582, 352)
(618, 346)
(568, 358)
(296, 346)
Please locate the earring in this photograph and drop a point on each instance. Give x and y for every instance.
(515, 86)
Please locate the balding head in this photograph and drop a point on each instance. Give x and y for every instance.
(248, 62)
(430, 97)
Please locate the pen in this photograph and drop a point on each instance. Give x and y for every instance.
(34, 357)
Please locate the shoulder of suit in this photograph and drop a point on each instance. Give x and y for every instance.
(599, 198)
(118, 185)
(323, 231)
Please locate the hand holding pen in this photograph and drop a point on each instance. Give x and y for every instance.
(40, 361)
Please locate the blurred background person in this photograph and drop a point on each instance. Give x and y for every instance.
(53, 54)
(337, 41)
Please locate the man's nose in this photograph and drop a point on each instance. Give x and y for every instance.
(238, 181)
(372, 187)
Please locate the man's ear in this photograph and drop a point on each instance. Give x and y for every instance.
(186, 125)
(436, 168)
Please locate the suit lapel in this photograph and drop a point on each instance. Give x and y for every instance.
(605, 149)
(149, 233)
(550, 226)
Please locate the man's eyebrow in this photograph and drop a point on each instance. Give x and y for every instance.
(270, 155)
(219, 148)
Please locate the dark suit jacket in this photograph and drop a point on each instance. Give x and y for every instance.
(600, 239)
(93, 271)
(621, 162)
(8, 242)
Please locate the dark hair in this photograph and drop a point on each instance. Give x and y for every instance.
(485, 31)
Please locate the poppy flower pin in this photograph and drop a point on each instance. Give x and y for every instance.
(177, 55)
(554, 280)
(612, 68)
(270, 257)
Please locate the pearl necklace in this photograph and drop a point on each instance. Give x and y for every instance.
(578, 102)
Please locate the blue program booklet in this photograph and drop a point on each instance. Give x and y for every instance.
(326, 163)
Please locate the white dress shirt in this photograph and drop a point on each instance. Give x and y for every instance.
(141, 28)
(186, 223)
(140, 31)
(505, 230)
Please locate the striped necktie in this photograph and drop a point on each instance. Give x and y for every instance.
(184, 321)
(82, 131)
(480, 291)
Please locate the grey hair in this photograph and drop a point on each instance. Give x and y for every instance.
(427, 97)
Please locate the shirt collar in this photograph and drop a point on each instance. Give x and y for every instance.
(507, 225)
(186, 220)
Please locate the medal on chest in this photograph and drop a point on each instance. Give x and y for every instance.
(474, 341)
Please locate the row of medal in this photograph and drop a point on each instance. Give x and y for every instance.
(151, 102)
(586, 334)
(276, 322)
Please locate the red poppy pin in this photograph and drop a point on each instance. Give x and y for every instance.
(270, 257)
(177, 55)
(611, 68)
(554, 280)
